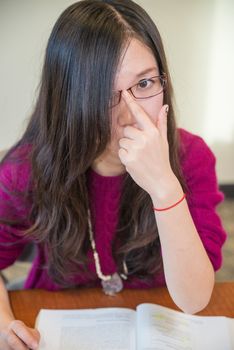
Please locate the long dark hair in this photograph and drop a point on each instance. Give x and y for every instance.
(71, 126)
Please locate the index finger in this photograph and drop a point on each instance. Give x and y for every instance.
(137, 111)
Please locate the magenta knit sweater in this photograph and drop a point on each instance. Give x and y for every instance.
(198, 165)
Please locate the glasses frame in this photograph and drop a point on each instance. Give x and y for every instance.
(163, 79)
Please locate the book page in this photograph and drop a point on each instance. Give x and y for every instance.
(160, 328)
(93, 329)
(231, 330)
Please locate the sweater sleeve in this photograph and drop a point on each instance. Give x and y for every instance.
(13, 211)
(203, 195)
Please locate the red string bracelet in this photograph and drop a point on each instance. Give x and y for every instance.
(171, 206)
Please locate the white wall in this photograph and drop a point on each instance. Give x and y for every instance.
(25, 26)
(198, 39)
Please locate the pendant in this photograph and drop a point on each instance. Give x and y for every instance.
(113, 286)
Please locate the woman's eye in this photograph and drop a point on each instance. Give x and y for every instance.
(144, 83)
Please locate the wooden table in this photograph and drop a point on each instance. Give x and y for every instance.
(27, 303)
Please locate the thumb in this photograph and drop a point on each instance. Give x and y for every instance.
(36, 334)
(162, 121)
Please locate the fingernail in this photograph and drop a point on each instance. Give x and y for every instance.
(167, 109)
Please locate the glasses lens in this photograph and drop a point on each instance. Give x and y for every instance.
(148, 87)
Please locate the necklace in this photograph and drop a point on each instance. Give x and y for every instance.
(111, 284)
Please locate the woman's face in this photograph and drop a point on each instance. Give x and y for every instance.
(137, 63)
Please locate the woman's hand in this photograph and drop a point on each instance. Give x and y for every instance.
(17, 336)
(144, 149)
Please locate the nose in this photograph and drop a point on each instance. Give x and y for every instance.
(125, 117)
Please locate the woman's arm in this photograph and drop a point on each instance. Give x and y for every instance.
(188, 271)
(14, 334)
(144, 151)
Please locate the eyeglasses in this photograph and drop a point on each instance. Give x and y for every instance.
(145, 88)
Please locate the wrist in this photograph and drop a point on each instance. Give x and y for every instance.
(5, 319)
(166, 192)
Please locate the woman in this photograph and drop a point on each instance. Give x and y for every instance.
(102, 181)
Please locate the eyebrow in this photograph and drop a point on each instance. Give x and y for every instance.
(148, 70)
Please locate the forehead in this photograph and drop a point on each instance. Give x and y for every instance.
(136, 59)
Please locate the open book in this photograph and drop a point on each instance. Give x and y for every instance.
(150, 327)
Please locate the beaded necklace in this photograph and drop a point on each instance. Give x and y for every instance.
(111, 284)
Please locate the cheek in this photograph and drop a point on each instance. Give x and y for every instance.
(116, 129)
(153, 107)
(114, 123)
